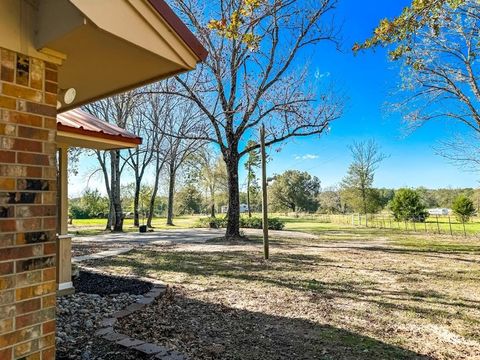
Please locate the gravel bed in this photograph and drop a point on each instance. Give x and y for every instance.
(79, 316)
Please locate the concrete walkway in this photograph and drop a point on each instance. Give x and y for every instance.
(160, 237)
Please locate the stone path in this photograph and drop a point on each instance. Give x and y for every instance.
(102, 254)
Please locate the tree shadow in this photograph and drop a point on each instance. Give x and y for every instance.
(205, 330)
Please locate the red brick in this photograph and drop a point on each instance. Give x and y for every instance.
(32, 133)
(7, 156)
(22, 92)
(50, 223)
(26, 119)
(29, 278)
(6, 268)
(38, 109)
(28, 306)
(7, 184)
(8, 103)
(27, 145)
(34, 171)
(48, 327)
(51, 75)
(50, 99)
(49, 249)
(8, 225)
(32, 159)
(20, 336)
(34, 318)
(51, 87)
(7, 282)
(48, 354)
(50, 123)
(6, 353)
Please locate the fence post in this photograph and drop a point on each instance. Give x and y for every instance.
(450, 225)
(464, 231)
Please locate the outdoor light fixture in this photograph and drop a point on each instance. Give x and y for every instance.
(67, 95)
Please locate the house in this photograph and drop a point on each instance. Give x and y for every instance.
(243, 208)
(56, 55)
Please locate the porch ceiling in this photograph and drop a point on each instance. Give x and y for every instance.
(114, 46)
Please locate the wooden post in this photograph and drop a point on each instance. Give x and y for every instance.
(264, 194)
(450, 224)
(64, 241)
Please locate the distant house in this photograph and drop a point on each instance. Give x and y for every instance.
(243, 208)
(439, 211)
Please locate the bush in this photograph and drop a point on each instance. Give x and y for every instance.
(256, 223)
(407, 205)
(211, 222)
(245, 222)
(463, 208)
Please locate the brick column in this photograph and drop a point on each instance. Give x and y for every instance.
(28, 89)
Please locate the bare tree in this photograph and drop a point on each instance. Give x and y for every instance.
(181, 129)
(118, 110)
(462, 151)
(210, 171)
(251, 78)
(145, 124)
(441, 68)
(361, 172)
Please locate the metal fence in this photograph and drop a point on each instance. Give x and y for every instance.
(447, 225)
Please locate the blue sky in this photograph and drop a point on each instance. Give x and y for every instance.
(367, 79)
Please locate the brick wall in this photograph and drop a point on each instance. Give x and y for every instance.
(28, 89)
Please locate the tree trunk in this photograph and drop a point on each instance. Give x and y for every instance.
(115, 188)
(151, 205)
(248, 191)
(233, 214)
(136, 202)
(171, 191)
(212, 201)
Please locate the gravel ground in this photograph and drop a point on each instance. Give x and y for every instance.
(79, 315)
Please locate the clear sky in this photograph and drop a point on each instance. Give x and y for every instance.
(368, 80)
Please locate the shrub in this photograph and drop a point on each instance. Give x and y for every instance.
(211, 222)
(256, 223)
(245, 222)
(463, 208)
(407, 205)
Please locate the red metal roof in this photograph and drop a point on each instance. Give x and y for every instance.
(80, 122)
(180, 28)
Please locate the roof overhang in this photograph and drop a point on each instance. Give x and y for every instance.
(76, 128)
(113, 46)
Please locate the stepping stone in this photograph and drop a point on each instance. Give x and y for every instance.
(104, 331)
(130, 342)
(151, 349)
(113, 336)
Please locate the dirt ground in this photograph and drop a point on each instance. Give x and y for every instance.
(348, 294)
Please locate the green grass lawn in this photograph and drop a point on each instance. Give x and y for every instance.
(351, 293)
(81, 227)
